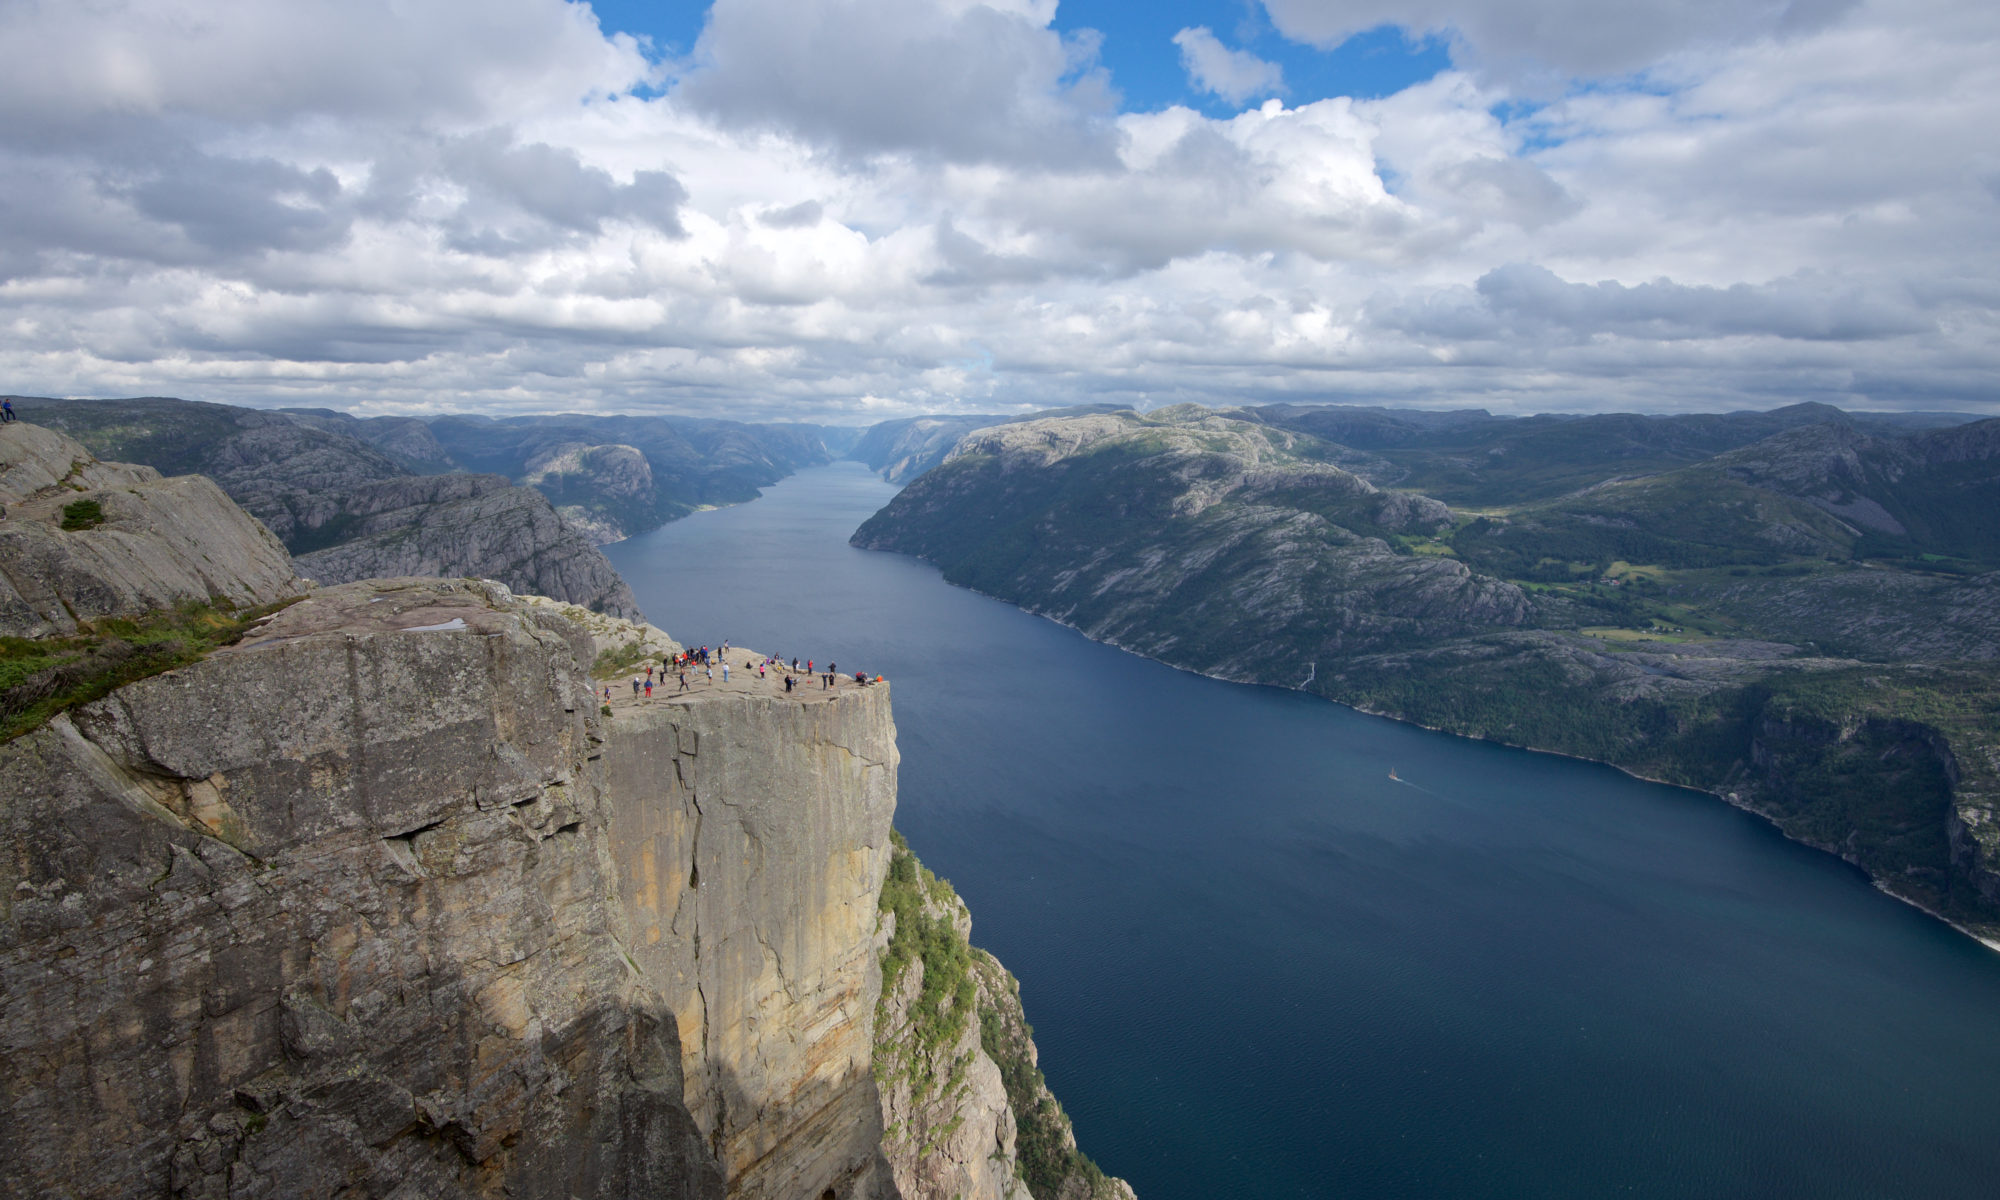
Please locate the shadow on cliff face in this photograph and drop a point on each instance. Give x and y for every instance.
(593, 1110)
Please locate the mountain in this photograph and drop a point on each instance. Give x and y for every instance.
(901, 450)
(322, 489)
(621, 475)
(458, 525)
(368, 890)
(1747, 623)
(1189, 536)
(83, 540)
(1470, 457)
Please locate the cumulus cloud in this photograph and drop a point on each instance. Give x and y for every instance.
(1234, 75)
(1570, 37)
(963, 81)
(80, 65)
(1523, 299)
(837, 210)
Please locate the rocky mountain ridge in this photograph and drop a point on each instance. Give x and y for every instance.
(1678, 624)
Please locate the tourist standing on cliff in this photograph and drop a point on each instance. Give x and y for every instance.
(649, 685)
(725, 671)
(684, 681)
(6, 411)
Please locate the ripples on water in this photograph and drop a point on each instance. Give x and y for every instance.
(1259, 967)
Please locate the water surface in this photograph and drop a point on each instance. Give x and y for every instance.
(1257, 966)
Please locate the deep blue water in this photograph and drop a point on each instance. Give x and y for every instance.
(1258, 967)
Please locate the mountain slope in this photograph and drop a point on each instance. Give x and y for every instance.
(1676, 624)
(318, 487)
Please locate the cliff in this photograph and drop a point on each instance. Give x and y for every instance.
(459, 525)
(965, 1110)
(376, 903)
(364, 892)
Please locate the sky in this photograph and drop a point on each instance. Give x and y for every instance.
(844, 211)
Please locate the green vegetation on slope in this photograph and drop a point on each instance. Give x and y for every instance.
(82, 514)
(1045, 1152)
(40, 677)
(959, 983)
(924, 933)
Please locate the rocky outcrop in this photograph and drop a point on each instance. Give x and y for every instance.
(1217, 544)
(607, 492)
(318, 485)
(965, 1111)
(751, 834)
(84, 539)
(376, 903)
(461, 525)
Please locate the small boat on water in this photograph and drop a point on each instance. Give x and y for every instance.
(1394, 776)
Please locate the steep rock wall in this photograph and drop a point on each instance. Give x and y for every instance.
(458, 525)
(375, 904)
(751, 834)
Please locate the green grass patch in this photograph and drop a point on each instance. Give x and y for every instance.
(914, 895)
(617, 660)
(40, 677)
(1611, 634)
(82, 514)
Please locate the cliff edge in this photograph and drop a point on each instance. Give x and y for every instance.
(376, 903)
(361, 891)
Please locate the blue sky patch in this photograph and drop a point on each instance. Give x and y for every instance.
(1139, 51)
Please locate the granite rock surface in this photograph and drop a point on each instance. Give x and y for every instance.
(461, 525)
(152, 542)
(375, 903)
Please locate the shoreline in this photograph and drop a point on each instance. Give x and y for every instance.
(1733, 800)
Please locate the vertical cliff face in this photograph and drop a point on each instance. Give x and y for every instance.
(376, 904)
(750, 833)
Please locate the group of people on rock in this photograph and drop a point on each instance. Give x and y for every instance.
(708, 660)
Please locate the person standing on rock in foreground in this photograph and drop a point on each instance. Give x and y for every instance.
(725, 672)
(684, 681)
(635, 687)
(649, 685)
(6, 411)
